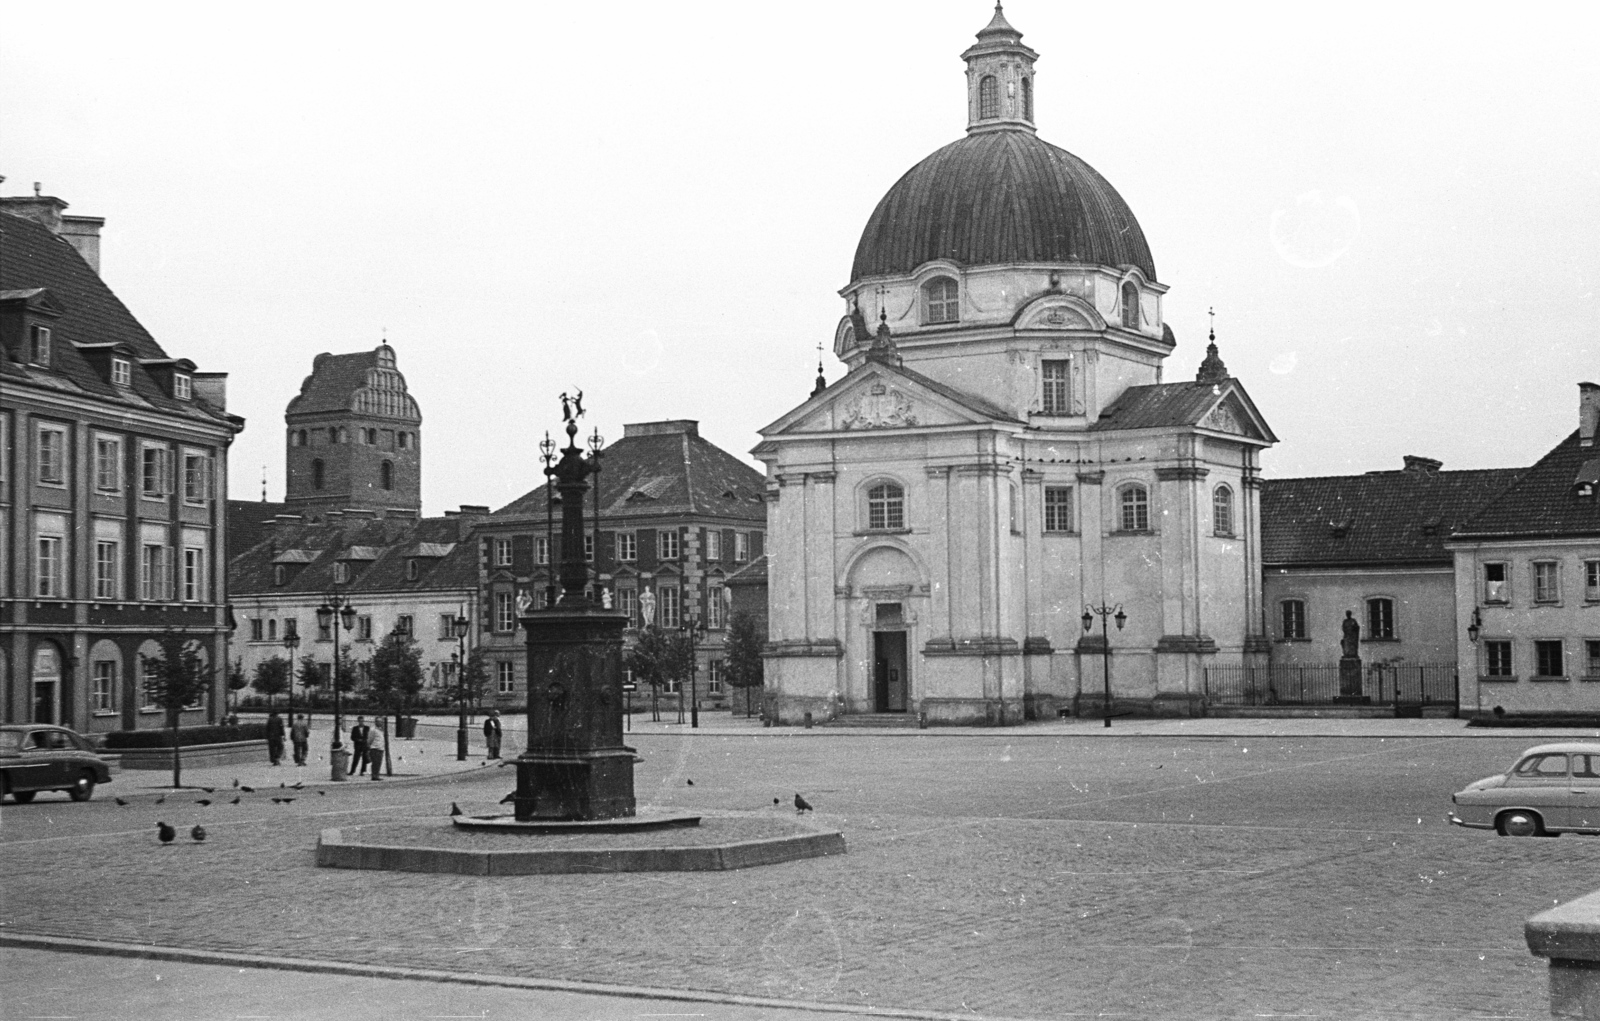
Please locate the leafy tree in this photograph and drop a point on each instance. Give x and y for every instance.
(396, 669)
(312, 675)
(174, 680)
(472, 684)
(272, 678)
(237, 681)
(657, 658)
(743, 649)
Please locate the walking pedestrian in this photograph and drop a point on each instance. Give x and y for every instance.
(375, 751)
(358, 744)
(300, 737)
(491, 733)
(274, 736)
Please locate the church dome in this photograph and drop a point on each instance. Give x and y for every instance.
(1000, 196)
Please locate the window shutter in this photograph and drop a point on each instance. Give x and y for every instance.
(645, 549)
(757, 545)
(522, 555)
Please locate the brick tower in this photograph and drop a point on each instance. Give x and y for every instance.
(354, 439)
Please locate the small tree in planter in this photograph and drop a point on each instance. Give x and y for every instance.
(313, 676)
(657, 657)
(272, 678)
(174, 680)
(743, 649)
(475, 679)
(396, 674)
(237, 682)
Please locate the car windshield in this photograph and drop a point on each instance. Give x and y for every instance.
(1543, 766)
(10, 741)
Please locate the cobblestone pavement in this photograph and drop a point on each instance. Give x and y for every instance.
(1001, 873)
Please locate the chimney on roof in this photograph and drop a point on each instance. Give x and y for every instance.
(469, 514)
(1588, 412)
(81, 232)
(1422, 465)
(671, 427)
(283, 524)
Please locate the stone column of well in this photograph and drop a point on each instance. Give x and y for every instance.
(1569, 937)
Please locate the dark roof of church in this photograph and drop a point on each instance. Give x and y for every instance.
(333, 383)
(34, 258)
(1000, 196)
(1382, 517)
(668, 470)
(310, 552)
(1543, 502)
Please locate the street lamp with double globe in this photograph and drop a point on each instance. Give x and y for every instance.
(336, 610)
(1105, 612)
(461, 625)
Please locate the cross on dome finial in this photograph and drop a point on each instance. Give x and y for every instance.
(1211, 368)
(822, 381)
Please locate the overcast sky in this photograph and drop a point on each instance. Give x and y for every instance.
(1394, 208)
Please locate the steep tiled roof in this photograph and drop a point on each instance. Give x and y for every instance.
(32, 258)
(998, 197)
(673, 472)
(250, 521)
(1543, 502)
(1383, 517)
(333, 383)
(378, 551)
(1170, 405)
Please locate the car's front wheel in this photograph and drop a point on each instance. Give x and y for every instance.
(1520, 824)
(83, 790)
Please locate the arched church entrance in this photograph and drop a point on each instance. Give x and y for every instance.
(889, 583)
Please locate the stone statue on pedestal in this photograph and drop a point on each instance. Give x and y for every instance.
(1350, 645)
(1350, 660)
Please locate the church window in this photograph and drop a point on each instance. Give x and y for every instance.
(940, 301)
(1058, 508)
(1027, 99)
(1294, 620)
(1057, 386)
(886, 506)
(988, 97)
(1222, 511)
(1380, 619)
(1135, 509)
(1130, 306)
(386, 475)
(316, 473)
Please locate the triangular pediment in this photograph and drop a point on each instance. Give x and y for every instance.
(1236, 415)
(880, 397)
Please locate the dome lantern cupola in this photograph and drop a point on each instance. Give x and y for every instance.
(999, 78)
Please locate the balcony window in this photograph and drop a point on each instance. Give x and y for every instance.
(1495, 589)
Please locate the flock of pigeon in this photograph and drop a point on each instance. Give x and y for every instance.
(167, 834)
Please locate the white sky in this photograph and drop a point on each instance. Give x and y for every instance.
(1394, 208)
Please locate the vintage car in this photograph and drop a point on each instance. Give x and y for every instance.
(38, 757)
(1552, 789)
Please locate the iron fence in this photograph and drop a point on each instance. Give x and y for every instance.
(1318, 684)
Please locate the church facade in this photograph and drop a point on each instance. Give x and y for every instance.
(1003, 459)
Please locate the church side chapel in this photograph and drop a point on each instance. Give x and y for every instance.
(1003, 455)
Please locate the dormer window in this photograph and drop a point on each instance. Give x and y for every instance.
(121, 372)
(941, 301)
(39, 345)
(341, 573)
(988, 97)
(1130, 306)
(411, 569)
(182, 388)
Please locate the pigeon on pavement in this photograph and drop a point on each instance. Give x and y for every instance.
(801, 804)
(235, 801)
(689, 782)
(198, 833)
(165, 832)
(202, 801)
(161, 799)
(236, 781)
(322, 794)
(297, 785)
(455, 809)
(509, 798)
(120, 802)
(776, 801)
(209, 790)
(281, 801)
(247, 789)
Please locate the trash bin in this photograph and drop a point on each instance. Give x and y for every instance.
(341, 763)
(406, 728)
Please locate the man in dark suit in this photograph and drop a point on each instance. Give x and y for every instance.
(360, 734)
(491, 733)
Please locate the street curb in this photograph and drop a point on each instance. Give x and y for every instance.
(106, 948)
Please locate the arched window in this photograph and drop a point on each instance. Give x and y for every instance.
(1130, 305)
(344, 435)
(1135, 509)
(941, 301)
(988, 97)
(1222, 510)
(386, 475)
(886, 506)
(1027, 99)
(402, 439)
(316, 473)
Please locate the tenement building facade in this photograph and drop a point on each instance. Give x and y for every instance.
(1004, 452)
(677, 517)
(113, 473)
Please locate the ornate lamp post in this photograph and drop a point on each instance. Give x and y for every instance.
(335, 610)
(461, 625)
(547, 454)
(291, 642)
(693, 629)
(1106, 613)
